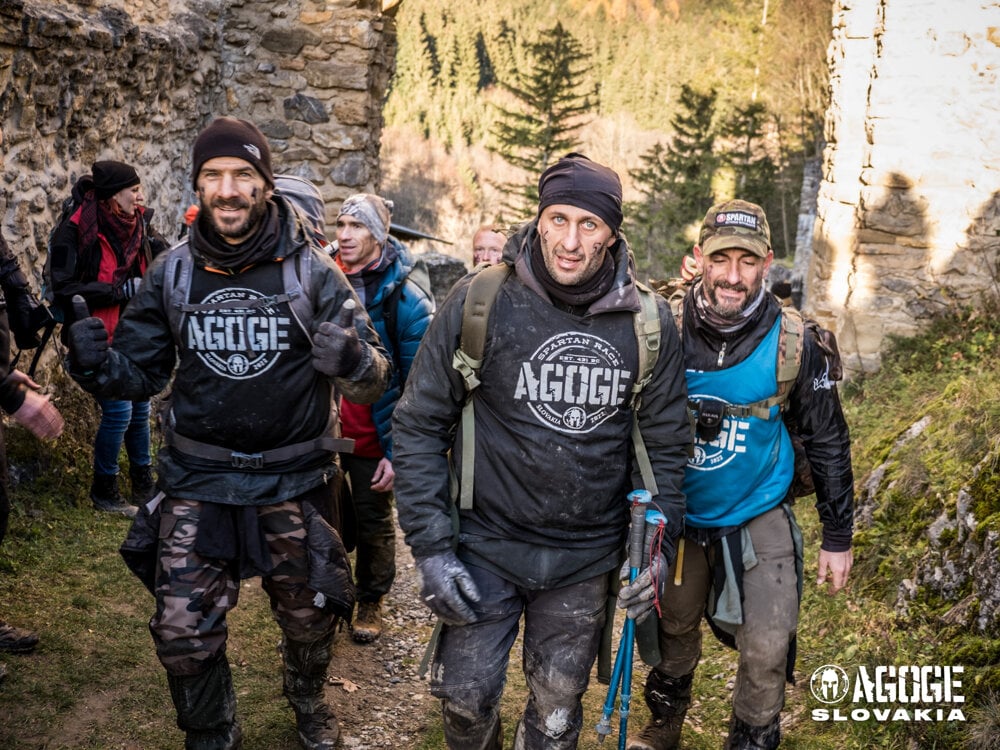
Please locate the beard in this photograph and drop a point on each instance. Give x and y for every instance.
(731, 311)
(237, 231)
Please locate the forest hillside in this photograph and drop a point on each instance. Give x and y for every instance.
(688, 101)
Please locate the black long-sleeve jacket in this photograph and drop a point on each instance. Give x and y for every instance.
(244, 380)
(813, 410)
(552, 430)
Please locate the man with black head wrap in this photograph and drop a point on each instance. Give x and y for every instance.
(553, 417)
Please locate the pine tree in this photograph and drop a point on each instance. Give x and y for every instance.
(676, 184)
(551, 111)
(753, 167)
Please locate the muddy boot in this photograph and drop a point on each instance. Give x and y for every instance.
(105, 496)
(463, 729)
(143, 484)
(743, 736)
(206, 709)
(367, 622)
(668, 699)
(16, 641)
(305, 678)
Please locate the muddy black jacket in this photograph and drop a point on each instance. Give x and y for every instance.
(813, 410)
(553, 424)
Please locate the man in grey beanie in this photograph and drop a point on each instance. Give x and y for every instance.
(539, 532)
(264, 334)
(381, 269)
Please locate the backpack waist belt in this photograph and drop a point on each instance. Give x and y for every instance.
(259, 460)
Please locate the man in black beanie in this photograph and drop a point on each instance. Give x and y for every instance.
(540, 528)
(264, 333)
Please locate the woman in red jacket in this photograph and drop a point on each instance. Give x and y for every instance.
(100, 251)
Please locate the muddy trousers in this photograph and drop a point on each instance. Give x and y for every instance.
(770, 617)
(194, 594)
(562, 629)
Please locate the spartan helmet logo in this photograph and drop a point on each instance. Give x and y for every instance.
(829, 684)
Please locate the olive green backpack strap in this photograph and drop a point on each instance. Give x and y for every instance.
(468, 360)
(786, 367)
(647, 335)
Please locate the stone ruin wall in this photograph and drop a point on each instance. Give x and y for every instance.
(135, 80)
(908, 213)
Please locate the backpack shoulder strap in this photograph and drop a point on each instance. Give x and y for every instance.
(296, 273)
(648, 336)
(788, 361)
(468, 360)
(390, 316)
(789, 349)
(482, 293)
(177, 285)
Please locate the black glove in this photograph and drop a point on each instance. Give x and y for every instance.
(23, 319)
(447, 588)
(638, 597)
(336, 347)
(88, 338)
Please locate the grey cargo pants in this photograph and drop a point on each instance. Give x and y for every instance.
(770, 617)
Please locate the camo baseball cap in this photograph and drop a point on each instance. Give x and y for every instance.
(738, 224)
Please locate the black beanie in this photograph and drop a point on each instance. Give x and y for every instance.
(227, 136)
(111, 177)
(575, 180)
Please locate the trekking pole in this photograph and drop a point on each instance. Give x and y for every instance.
(621, 674)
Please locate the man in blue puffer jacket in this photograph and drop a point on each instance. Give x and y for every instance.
(378, 266)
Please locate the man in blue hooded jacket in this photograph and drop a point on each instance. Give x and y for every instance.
(378, 267)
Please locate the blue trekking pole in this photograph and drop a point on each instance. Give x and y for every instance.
(621, 674)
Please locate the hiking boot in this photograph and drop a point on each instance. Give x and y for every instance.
(105, 496)
(304, 680)
(367, 622)
(743, 736)
(318, 729)
(206, 708)
(143, 483)
(668, 699)
(16, 641)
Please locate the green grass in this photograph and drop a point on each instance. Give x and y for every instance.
(95, 682)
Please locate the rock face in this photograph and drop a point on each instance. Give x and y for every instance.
(908, 214)
(135, 80)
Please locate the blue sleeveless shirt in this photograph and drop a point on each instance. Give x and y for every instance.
(748, 468)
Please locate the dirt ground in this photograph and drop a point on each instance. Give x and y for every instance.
(375, 689)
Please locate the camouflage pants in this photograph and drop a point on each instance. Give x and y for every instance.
(194, 593)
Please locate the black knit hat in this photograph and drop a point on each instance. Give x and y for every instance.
(575, 180)
(111, 177)
(227, 136)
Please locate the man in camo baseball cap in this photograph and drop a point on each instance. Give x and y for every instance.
(735, 223)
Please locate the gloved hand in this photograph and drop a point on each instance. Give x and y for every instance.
(22, 318)
(447, 588)
(638, 597)
(128, 289)
(88, 338)
(336, 347)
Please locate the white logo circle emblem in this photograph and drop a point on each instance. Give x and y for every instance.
(829, 684)
(574, 382)
(237, 341)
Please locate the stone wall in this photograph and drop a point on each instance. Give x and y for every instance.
(135, 80)
(908, 219)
